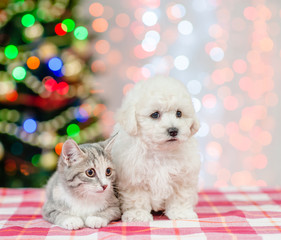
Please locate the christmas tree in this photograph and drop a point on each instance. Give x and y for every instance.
(47, 90)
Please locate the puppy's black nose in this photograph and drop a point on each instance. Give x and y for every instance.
(173, 132)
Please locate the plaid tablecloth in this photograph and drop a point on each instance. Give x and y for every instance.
(252, 213)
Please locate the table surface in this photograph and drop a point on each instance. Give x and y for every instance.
(229, 213)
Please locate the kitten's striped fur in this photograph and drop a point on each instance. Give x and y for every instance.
(81, 191)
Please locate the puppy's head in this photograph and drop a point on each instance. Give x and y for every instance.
(159, 111)
(126, 115)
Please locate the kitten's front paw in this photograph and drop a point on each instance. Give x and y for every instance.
(176, 214)
(96, 222)
(72, 223)
(137, 215)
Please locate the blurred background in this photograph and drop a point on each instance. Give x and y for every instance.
(66, 65)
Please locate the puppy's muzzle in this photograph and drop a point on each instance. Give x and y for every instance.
(173, 132)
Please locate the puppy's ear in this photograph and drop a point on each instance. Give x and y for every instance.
(194, 126)
(126, 117)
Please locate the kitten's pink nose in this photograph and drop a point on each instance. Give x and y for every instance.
(104, 187)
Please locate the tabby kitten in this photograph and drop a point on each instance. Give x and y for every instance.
(80, 193)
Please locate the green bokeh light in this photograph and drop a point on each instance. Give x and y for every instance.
(73, 130)
(35, 160)
(11, 51)
(68, 25)
(19, 73)
(28, 20)
(81, 33)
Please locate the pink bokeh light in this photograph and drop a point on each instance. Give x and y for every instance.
(238, 101)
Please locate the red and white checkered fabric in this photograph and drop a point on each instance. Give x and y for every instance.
(252, 213)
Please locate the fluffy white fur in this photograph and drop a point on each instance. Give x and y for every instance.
(154, 173)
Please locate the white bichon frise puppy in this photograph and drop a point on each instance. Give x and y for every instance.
(156, 157)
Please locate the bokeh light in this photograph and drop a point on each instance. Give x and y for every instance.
(122, 20)
(218, 130)
(220, 76)
(181, 62)
(55, 64)
(10, 167)
(58, 148)
(209, 101)
(266, 44)
(62, 88)
(100, 25)
(81, 114)
(98, 66)
(68, 25)
(11, 51)
(116, 34)
(73, 130)
(217, 54)
(19, 73)
(50, 84)
(35, 160)
(185, 27)
(30, 125)
(98, 109)
(81, 33)
(250, 13)
(60, 30)
(33, 62)
(214, 150)
(149, 18)
(48, 160)
(150, 41)
(232, 81)
(28, 20)
(239, 66)
(216, 31)
(12, 96)
(102, 46)
(178, 10)
(96, 9)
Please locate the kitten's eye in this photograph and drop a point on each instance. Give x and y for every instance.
(108, 172)
(90, 172)
(155, 115)
(179, 114)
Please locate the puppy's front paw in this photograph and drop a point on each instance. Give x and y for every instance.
(176, 214)
(72, 223)
(137, 215)
(96, 222)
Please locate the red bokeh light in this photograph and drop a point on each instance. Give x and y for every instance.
(51, 85)
(62, 88)
(59, 30)
(12, 96)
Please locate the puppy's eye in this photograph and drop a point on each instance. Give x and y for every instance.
(155, 115)
(108, 172)
(90, 172)
(179, 114)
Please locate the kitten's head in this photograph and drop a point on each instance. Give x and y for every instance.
(87, 169)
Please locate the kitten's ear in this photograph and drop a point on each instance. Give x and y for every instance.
(71, 152)
(109, 142)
